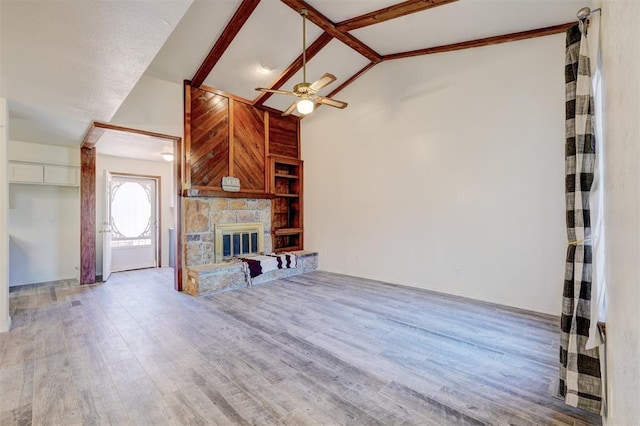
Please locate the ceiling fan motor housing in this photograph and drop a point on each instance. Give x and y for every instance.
(302, 89)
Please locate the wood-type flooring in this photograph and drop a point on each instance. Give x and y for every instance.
(313, 349)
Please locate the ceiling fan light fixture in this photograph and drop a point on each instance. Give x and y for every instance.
(305, 106)
(167, 156)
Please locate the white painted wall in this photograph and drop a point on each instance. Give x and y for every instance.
(621, 67)
(154, 105)
(446, 172)
(44, 220)
(5, 320)
(141, 167)
(44, 230)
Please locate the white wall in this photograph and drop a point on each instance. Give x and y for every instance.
(154, 105)
(621, 67)
(446, 172)
(44, 229)
(141, 167)
(5, 320)
(44, 220)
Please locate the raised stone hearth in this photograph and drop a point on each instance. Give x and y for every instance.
(204, 275)
(219, 277)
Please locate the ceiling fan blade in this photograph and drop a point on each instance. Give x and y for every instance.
(331, 102)
(323, 81)
(291, 108)
(280, 92)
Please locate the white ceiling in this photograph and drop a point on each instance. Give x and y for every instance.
(67, 63)
(138, 146)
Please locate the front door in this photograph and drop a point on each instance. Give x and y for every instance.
(134, 222)
(106, 230)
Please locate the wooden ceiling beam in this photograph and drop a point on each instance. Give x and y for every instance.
(504, 38)
(391, 12)
(349, 81)
(98, 129)
(329, 27)
(295, 66)
(352, 79)
(239, 18)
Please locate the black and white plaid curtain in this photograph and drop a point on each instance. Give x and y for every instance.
(580, 381)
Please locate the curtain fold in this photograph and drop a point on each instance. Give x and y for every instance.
(580, 381)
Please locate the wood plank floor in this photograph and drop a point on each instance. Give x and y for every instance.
(313, 349)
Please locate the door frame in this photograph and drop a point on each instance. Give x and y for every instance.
(88, 199)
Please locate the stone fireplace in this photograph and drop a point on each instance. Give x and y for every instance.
(202, 214)
(209, 218)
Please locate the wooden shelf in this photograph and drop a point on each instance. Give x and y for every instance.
(287, 231)
(209, 192)
(286, 176)
(286, 214)
(291, 248)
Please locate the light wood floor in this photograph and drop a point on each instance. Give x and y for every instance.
(312, 349)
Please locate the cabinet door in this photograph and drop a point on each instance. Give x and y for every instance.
(25, 173)
(61, 175)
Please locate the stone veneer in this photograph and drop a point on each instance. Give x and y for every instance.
(203, 213)
(211, 279)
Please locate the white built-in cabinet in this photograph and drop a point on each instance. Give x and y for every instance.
(43, 174)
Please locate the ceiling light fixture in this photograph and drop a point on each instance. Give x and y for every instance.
(167, 156)
(305, 106)
(307, 92)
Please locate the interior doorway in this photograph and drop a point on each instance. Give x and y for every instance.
(131, 233)
(89, 197)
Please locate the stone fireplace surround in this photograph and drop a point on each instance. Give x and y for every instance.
(203, 213)
(201, 216)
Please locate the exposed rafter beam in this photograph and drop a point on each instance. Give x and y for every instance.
(329, 27)
(391, 12)
(522, 35)
(295, 66)
(351, 79)
(243, 12)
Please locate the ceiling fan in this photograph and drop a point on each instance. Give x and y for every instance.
(307, 92)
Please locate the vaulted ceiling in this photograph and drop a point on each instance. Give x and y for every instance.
(67, 63)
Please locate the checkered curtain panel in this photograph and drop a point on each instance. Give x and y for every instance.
(580, 381)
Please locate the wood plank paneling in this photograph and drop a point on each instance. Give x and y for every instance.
(209, 144)
(249, 147)
(283, 135)
(88, 216)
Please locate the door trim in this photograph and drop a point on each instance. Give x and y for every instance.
(88, 199)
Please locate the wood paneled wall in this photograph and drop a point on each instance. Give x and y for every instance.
(227, 136)
(208, 145)
(88, 219)
(283, 135)
(249, 146)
